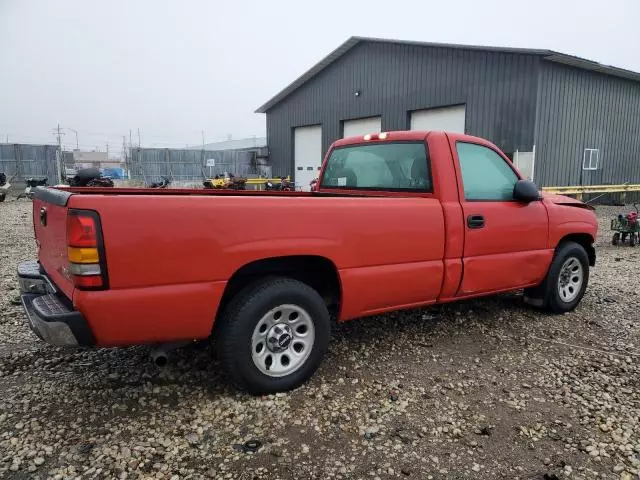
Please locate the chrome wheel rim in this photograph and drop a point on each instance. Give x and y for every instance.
(282, 340)
(570, 279)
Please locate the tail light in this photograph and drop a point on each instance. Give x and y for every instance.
(85, 250)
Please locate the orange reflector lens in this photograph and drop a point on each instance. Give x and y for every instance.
(83, 255)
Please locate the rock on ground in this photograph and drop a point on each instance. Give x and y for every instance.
(482, 389)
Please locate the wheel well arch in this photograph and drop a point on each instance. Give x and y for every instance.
(318, 272)
(586, 241)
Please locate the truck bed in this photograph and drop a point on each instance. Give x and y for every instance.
(173, 250)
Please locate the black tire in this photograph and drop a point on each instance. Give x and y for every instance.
(2, 196)
(236, 326)
(632, 240)
(616, 239)
(547, 294)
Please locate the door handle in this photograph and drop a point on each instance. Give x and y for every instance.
(475, 221)
(43, 216)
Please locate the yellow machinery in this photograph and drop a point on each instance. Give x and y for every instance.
(238, 183)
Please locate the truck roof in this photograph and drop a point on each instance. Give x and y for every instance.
(400, 135)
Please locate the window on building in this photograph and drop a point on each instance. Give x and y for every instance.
(590, 159)
(400, 166)
(485, 174)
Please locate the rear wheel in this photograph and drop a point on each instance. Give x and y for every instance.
(566, 281)
(273, 335)
(632, 239)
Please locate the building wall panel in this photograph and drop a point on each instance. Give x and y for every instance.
(580, 109)
(498, 89)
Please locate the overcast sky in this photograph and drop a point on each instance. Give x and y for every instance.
(175, 68)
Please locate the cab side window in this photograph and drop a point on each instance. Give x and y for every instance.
(485, 174)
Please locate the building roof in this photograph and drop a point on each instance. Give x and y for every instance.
(239, 144)
(549, 55)
(90, 157)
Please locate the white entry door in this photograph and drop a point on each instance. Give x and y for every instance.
(307, 148)
(361, 126)
(525, 162)
(447, 119)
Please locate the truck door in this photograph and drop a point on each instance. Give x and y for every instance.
(505, 241)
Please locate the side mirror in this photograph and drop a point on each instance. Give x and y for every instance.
(526, 191)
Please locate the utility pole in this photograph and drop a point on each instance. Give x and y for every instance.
(139, 142)
(130, 144)
(58, 133)
(107, 150)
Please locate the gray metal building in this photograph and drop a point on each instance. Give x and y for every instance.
(563, 120)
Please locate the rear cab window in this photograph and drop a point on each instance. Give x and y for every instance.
(389, 166)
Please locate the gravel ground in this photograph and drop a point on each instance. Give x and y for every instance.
(481, 389)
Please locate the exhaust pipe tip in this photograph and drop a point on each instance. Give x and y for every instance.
(159, 355)
(159, 358)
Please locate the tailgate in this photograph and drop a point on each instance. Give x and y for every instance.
(50, 224)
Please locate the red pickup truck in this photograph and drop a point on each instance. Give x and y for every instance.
(397, 220)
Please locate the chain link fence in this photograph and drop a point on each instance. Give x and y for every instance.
(20, 162)
(188, 168)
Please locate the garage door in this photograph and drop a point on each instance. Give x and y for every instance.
(361, 126)
(448, 119)
(307, 147)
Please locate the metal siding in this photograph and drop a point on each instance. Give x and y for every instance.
(580, 109)
(396, 79)
(20, 161)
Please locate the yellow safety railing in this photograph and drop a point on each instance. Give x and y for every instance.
(580, 190)
(261, 181)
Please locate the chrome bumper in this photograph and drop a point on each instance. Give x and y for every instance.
(50, 315)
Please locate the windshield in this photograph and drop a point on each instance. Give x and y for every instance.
(394, 166)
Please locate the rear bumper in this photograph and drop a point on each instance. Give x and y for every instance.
(51, 316)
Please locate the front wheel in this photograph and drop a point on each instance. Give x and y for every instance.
(273, 335)
(566, 281)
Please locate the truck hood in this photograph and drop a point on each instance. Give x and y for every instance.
(564, 200)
